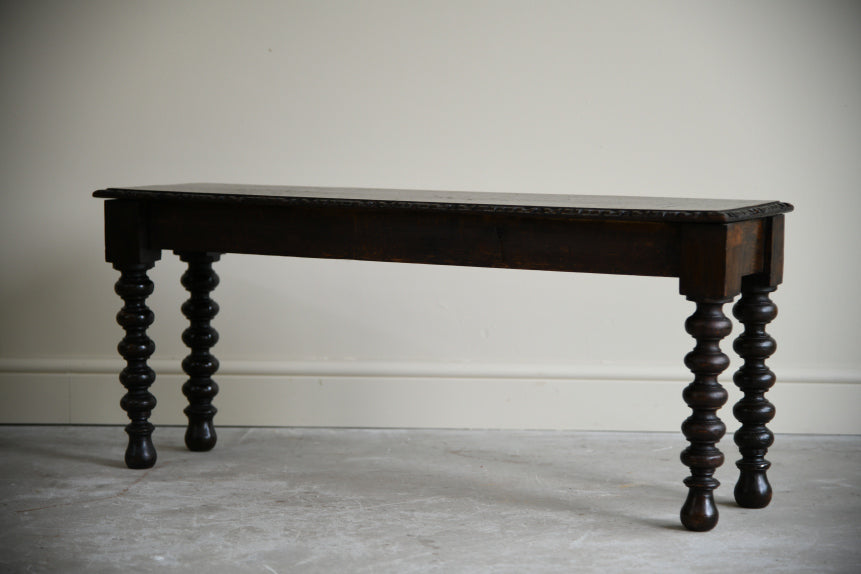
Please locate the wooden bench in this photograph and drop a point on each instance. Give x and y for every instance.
(717, 249)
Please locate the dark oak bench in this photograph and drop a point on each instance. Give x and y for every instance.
(717, 249)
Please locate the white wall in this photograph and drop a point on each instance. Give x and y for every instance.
(723, 99)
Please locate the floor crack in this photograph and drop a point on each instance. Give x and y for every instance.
(119, 494)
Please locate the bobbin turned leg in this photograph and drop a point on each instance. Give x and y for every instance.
(200, 364)
(136, 347)
(755, 310)
(708, 325)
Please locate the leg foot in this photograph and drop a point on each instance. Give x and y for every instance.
(755, 310)
(699, 512)
(752, 489)
(708, 325)
(140, 452)
(136, 347)
(200, 364)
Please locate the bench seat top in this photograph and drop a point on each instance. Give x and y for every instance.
(694, 210)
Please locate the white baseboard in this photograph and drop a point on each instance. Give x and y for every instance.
(419, 395)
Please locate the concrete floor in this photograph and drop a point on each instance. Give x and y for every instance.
(332, 501)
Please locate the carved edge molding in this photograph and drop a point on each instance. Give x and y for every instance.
(717, 216)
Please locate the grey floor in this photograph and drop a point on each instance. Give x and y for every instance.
(332, 501)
